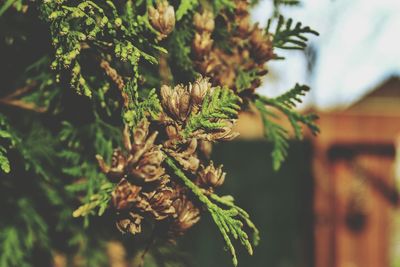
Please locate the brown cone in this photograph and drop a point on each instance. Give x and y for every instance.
(187, 215)
(125, 195)
(163, 18)
(130, 223)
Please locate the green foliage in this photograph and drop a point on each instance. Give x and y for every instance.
(289, 36)
(5, 136)
(286, 2)
(96, 26)
(223, 4)
(219, 105)
(99, 200)
(138, 109)
(6, 5)
(179, 47)
(184, 7)
(293, 97)
(46, 94)
(273, 129)
(245, 78)
(275, 133)
(230, 221)
(17, 240)
(4, 162)
(82, 144)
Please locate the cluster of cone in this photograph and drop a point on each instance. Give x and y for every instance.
(145, 189)
(249, 48)
(162, 18)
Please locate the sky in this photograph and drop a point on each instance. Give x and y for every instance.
(357, 50)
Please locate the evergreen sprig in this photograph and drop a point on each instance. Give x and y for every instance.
(293, 96)
(179, 48)
(289, 36)
(275, 133)
(230, 221)
(98, 26)
(219, 105)
(140, 108)
(286, 2)
(184, 7)
(18, 240)
(8, 138)
(98, 201)
(223, 4)
(103, 137)
(273, 129)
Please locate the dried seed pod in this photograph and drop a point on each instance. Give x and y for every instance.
(187, 215)
(172, 131)
(149, 166)
(202, 44)
(163, 18)
(141, 144)
(132, 223)
(241, 8)
(261, 46)
(176, 101)
(118, 163)
(210, 177)
(125, 195)
(141, 132)
(224, 134)
(204, 22)
(199, 89)
(160, 202)
(186, 157)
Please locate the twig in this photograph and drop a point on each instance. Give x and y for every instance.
(10, 100)
(116, 78)
(22, 104)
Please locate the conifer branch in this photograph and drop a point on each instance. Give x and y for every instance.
(219, 105)
(98, 201)
(136, 110)
(274, 131)
(7, 136)
(289, 36)
(184, 7)
(228, 221)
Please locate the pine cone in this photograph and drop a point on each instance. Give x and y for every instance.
(176, 101)
(249, 49)
(187, 215)
(261, 46)
(186, 155)
(241, 8)
(211, 177)
(125, 195)
(118, 164)
(130, 223)
(202, 44)
(204, 22)
(163, 18)
(224, 134)
(149, 166)
(199, 89)
(160, 202)
(142, 142)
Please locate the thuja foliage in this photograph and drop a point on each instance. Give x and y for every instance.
(108, 112)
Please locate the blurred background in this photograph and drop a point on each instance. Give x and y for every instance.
(335, 201)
